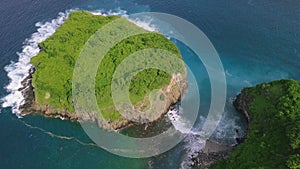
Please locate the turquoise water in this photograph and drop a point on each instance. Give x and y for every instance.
(257, 41)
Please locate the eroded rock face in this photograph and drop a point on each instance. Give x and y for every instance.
(31, 106)
(173, 92)
(241, 104)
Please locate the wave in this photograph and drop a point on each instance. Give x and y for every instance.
(193, 146)
(18, 71)
(193, 141)
(102, 12)
(248, 83)
(228, 73)
(179, 122)
(228, 130)
(145, 23)
(226, 133)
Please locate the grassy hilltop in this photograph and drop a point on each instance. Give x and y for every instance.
(55, 63)
(273, 140)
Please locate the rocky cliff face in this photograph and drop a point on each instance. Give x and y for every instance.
(173, 93)
(31, 106)
(241, 104)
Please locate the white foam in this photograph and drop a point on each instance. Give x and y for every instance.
(231, 99)
(195, 145)
(17, 71)
(179, 122)
(228, 73)
(118, 12)
(248, 83)
(145, 24)
(226, 129)
(193, 141)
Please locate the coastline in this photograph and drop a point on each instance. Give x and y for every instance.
(18, 70)
(31, 106)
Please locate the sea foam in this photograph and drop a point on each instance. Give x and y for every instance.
(18, 71)
(194, 140)
(145, 23)
(118, 11)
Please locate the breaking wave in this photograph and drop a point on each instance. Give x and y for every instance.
(195, 142)
(18, 71)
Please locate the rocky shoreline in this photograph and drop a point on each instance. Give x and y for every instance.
(173, 92)
(214, 151)
(30, 106)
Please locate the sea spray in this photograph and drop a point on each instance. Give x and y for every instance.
(226, 133)
(228, 130)
(18, 71)
(193, 141)
(145, 23)
(118, 11)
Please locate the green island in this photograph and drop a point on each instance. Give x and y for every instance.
(54, 65)
(273, 139)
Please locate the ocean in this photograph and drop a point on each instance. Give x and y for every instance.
(257, 41)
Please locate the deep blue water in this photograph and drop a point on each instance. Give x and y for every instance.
(258, 41)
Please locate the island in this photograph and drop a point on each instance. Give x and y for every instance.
(273, 139)
(48, 88)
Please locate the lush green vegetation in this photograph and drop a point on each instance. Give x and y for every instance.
(54, 65)
(273, 140)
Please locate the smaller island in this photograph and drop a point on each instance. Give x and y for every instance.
(48, 88)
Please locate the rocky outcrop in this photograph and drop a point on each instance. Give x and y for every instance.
(241, 103)
(211, 153)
